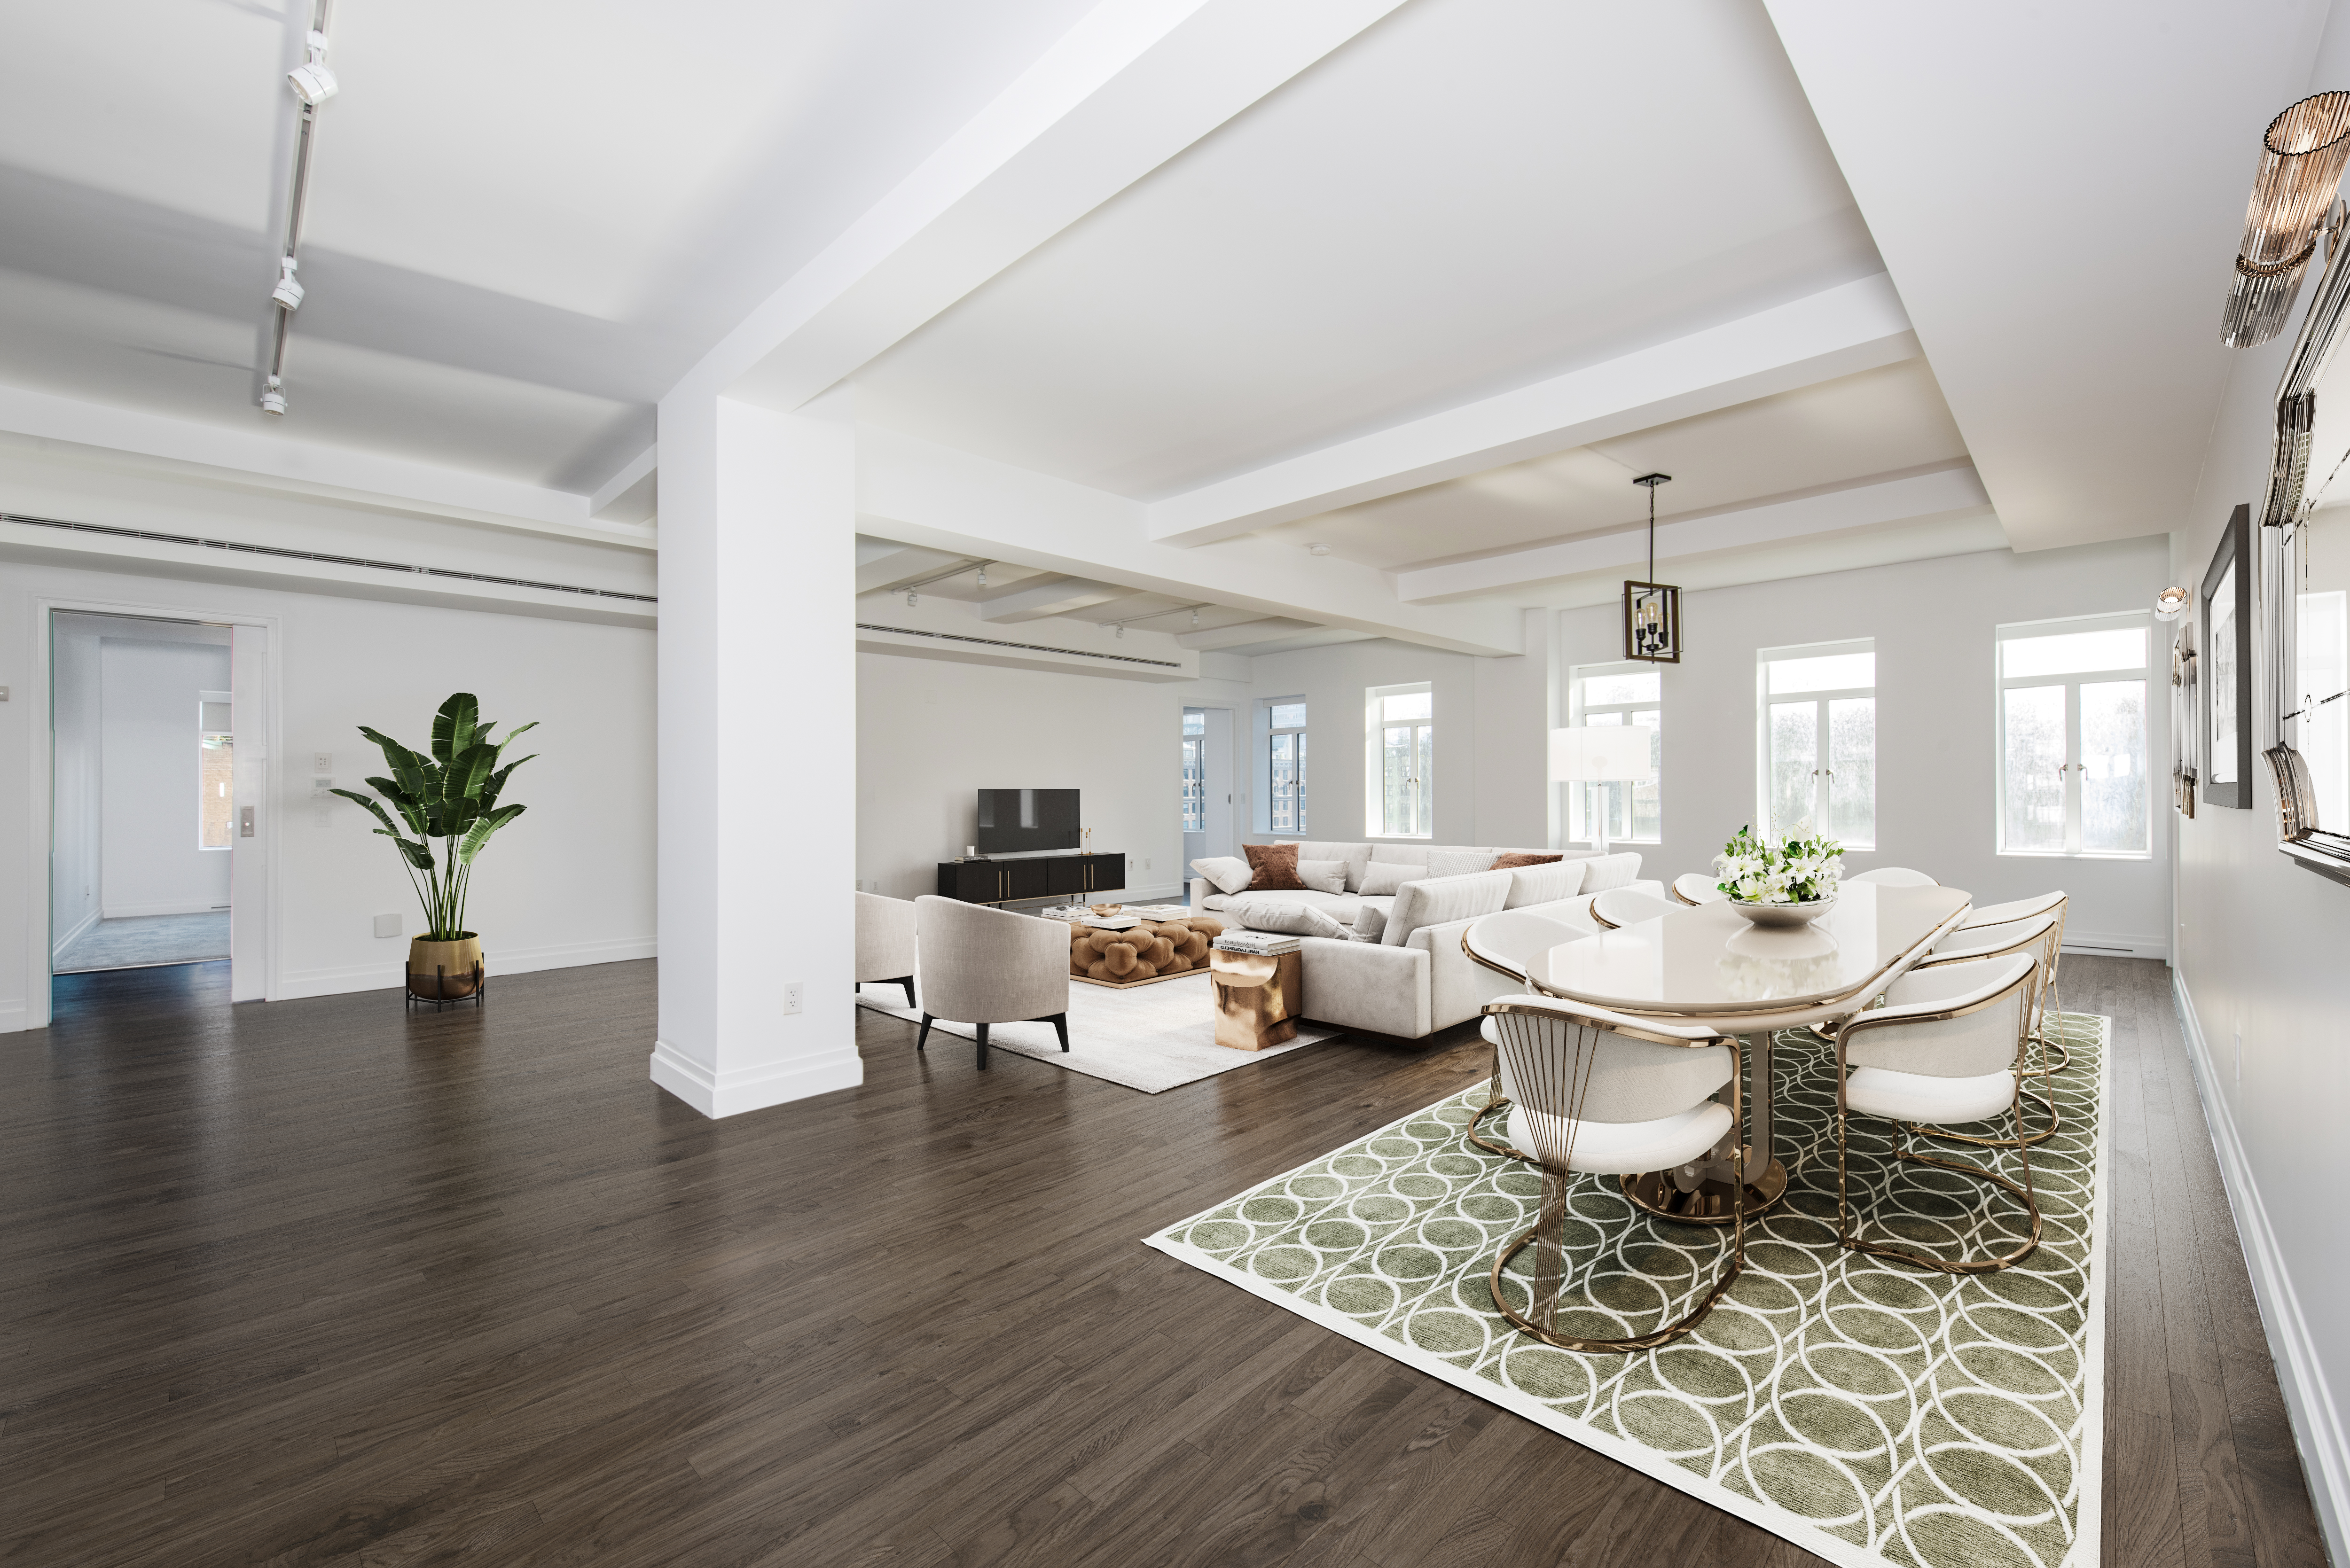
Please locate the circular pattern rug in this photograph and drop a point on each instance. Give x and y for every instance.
(1869, 1410)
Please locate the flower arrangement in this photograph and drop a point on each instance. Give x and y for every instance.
(1798, 871)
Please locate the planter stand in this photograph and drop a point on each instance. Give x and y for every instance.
(441, 983)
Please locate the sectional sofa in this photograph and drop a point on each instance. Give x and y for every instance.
(1398, 968)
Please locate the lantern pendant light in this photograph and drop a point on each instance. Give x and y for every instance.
(1652, 611)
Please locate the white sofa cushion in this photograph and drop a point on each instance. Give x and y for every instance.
(1230, 873)
(1371, 918)
(1458, 862)
(1259, 913)
(1339, 906)
(1355, 856)
(1438, 900)
(1603, 872)
(1545, 884)
(1385, 879)
(1323, 875)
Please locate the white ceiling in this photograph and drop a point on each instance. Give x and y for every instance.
(1470, 196)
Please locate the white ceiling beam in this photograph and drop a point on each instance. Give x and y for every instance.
(1131, 86)
(628, 496)
(908, 563)
(1855, 326)
(267, 460)
(936, 497)
(1062, 595)
(1870, 504)
(1244, 632)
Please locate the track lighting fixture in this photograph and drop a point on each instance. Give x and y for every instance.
(312, 82)
(983, 577)
(912, 599)
(287, 293)
(273, 402)
(1121, 632)
(1195, 620)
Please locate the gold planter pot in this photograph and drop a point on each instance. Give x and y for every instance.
(440, 971)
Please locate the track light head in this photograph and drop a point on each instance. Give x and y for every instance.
(273, 399)
(983, 577)
(912, 599)
(1195, 620)
(287, 293)
(312, 82)
(1121, 632)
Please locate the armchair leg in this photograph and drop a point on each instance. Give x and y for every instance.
(908, 981)
(924, 1037)
(983, 1047)
(1060, 1022)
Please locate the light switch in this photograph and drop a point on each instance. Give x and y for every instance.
(322, 761)
(245, 822)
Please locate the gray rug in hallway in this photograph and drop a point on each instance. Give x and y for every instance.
(144, 939)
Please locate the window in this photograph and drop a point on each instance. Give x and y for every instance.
(1285, 768)
(1818, 746)
(1605, 694)
(215, 770)
(1195, 771)
(1402, 773)
(2073, 737)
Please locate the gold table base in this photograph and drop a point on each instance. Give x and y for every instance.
(1708, 1203)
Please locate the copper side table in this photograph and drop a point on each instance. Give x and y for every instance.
(1258, 998)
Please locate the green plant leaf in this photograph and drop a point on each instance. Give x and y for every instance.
(497, 783)
(470, 771)
(453, 725)
(419, 855)
(375, 807)
(480, 832)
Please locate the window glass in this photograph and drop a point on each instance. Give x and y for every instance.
(2075, 653)
(1636, 686)
(2113, 767)
(1289, 715)
(1794, 762)
(1827, 672)
(1409, 705)
(1195, 723)
(1612, 697)
(1852, 771)
(2031, 755)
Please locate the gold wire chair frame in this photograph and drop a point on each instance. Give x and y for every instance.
(1496, 1101)
(2035, 1034)
(1846, 1237)
(1555, 1207)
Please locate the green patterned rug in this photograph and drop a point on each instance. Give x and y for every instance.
(1869, 1411)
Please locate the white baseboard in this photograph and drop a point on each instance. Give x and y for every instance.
(12, 1016)
(732, 1094)
(2316, 1420)
(69, 940)
(387, 974)
(2118, 944)
(133, 911)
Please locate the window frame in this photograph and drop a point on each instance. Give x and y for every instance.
(1423, 791)
(1823, 778)
(1580, 712)
(2002, 683)
(1274, 735)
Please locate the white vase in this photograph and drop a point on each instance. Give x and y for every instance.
(1783, 915)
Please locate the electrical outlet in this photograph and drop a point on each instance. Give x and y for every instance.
(322, 761)
(791, 996)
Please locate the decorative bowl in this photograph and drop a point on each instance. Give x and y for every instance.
(1105, 909)
(1779, 916)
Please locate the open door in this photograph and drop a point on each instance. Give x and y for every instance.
(252, 831)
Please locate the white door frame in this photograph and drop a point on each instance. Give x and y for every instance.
(39, 954)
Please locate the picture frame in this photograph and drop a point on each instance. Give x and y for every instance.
(2224, 672)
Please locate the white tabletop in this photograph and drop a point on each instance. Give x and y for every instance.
(1709, 959)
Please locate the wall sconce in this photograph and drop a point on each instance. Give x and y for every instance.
(2169, 603)
(2302, 157)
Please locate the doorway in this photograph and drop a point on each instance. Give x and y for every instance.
(1207, 783)
(156, 728)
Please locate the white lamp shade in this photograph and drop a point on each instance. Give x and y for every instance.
(1600, 755)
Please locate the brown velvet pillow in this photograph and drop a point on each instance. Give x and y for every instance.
(1276, 865)
(1507, 861)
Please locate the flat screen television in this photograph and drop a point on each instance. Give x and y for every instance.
(1012, 821)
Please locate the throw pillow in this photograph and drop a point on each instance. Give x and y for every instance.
(1323, 875)
(1226, 873)
(1289, 920)
(1608, 871)
(1458, 862)
(1274, 867)
(1370, 921)
(1545, 884)
(1510, 862)
(1380, 880)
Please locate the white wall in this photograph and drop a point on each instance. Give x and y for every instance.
(931, 733)
(1936, 705)
(76, 865)
(2260, 944)
(150, 814)
(569, 882)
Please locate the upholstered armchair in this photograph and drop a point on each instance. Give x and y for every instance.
(885, 942)
(985, 966)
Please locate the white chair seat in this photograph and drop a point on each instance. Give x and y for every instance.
(1626, 1148)
(1917, 1097)
(1894, 876)
(1698, 889)
(2013, 910)
(1629, 906)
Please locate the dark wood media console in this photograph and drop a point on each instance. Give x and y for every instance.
(1035, 877)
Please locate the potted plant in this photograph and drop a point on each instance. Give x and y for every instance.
(1786, 884)
(450, 794)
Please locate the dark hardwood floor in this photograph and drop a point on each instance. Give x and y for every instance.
(318, 1282)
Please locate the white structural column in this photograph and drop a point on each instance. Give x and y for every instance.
(758, 735)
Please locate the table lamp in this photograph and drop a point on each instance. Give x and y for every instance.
(1599, 754)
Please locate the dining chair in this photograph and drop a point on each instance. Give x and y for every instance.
(1697, 887)
(1628, 906)
(2036, 936)
(1894, 876)
(1604, 1094)
(985, 966)
(1507, 944)
(2053, 904)
(1948, 1046)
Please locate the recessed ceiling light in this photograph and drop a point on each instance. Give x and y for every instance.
(312, 82)
(287, 293)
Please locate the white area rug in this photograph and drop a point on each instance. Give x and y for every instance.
(1151, 1038)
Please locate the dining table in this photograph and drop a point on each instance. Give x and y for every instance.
(1708, 964)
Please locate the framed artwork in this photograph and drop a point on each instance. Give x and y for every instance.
(2224, 676)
